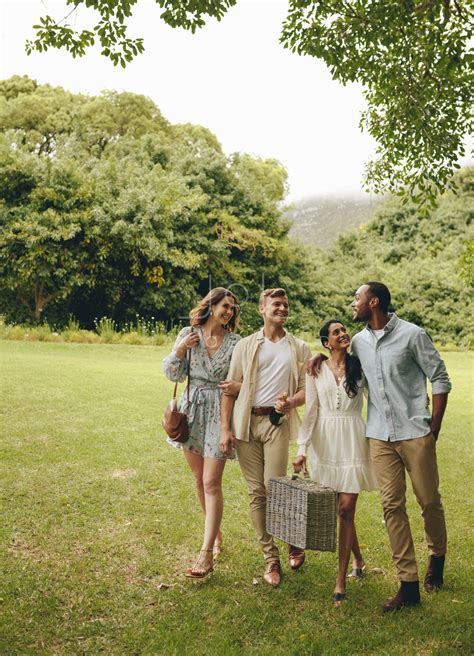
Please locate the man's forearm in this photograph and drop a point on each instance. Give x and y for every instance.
(313, 365)
(227, 405)
(298, 398)
(440, 402)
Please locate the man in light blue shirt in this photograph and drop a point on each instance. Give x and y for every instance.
(397, 357)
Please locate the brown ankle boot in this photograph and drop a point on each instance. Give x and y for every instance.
(273, 573)
(434, 574)
(296, 556)
(408, 595)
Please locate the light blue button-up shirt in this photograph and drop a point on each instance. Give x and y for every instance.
(396, 367)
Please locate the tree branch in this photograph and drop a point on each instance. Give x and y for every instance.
(48, 298)
(25, 302)
(69, 14)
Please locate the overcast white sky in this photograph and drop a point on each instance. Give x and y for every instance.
(232, 77)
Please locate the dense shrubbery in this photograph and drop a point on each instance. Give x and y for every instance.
(423, 259)
(143, 333)
(107, 210)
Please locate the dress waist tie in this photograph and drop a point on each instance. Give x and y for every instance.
(338, 413)
(196, 396)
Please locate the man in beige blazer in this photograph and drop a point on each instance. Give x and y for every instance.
(271, 366)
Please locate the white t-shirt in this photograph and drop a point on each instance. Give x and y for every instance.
(274, 370)
(378, 333)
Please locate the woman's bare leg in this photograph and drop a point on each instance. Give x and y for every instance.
(214, 500)
(196, 464)
(346, 511)
(358, 560)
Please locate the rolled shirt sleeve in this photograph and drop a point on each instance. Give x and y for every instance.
(430, 362)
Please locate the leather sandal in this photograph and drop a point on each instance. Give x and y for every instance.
(217, 548)
(201, 568)
(356, 573)
(338, 599)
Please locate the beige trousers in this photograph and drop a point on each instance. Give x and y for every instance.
(265, 456)
(418, 458)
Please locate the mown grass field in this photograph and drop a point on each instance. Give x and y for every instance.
(99, 522)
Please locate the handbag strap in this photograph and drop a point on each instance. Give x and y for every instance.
(189, 375)
(188, 356)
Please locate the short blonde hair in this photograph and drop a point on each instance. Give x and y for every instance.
(273, 292)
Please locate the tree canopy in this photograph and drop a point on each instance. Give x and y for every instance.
(425, 260)
(107, 209)
(411, 57)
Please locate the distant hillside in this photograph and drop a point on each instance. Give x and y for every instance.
(320, 220)
(424, 258)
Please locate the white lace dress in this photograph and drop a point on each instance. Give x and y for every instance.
(332, 435)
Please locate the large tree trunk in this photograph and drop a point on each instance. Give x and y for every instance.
(41, 300)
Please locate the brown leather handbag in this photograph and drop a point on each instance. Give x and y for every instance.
(176, 423)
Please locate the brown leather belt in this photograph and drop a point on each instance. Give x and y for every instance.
(262, 410)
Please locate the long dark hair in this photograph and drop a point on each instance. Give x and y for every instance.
(201, 313)
(353, 368)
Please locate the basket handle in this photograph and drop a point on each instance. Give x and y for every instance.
(295, 477)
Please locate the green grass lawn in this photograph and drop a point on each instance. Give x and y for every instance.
(99, 521)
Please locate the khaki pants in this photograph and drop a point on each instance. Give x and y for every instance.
(418, 458)
(265, 456)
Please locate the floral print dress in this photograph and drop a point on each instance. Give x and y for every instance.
(204, 410)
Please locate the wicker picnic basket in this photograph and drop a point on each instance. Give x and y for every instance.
(302, 513)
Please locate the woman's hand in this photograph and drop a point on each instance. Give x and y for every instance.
(313, 366)
(299, 464)
(230, 387)
(227, 442)
(190, 341)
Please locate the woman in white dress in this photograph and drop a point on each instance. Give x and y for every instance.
(332, 437)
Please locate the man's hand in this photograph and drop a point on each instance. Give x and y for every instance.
(227, 442)
(299, 464)
(313, 366)
(230, 387)
(439, 406)
(284, 404)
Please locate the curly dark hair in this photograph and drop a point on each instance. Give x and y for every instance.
(352, 364)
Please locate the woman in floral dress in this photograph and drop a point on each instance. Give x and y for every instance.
(207, 344)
